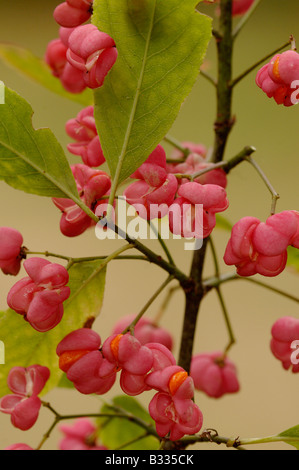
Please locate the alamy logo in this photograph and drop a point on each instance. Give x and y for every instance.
(295, 354)
(2, 353)
(2, 93)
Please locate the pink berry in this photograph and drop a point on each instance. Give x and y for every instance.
(214, 375)
(194, 164)
(284, 68)
(284, 332)
(24, 405)
(10, 250)
(56, 56)
(92, 186)
(277, 77)
(177, 419)
(193, 213)
(73, 13)
(81, 359)
(39, 297)
(79, 436)
(261, 248)
(92, 52)
(155, 189)
(126, 352)
(71, 78)
(83, 130)
(198, 149)
(133, 384)
(64, 34)
(172, 407)
(276, 234)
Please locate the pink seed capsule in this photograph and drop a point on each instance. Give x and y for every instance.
(92, 52)
(24, 404)
(92, 186)
(81, 359)
(193, 213)
(83, 130)
(172, 408)
(10, 250)
(279, 78)
(71, 79)
(261, 248)
(155, 189)
(72, 13)
(214, 375)
(39, 297)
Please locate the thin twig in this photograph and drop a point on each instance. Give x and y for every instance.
(232, 339)
(214, 282)
(176, 144)
(147, 305)
(162, 242)
(274, 193)
(234, 82)
(133, 441)
(165, 304)
(208, 77)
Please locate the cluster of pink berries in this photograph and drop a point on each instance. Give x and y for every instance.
(191, 207)
(92, 368)
(87, 143)
(145, 363)
(279, 79)
(24, 404)
(157, 192)
(92, 186)
(240, 7)
(83, 55)
(261, 248)
(40, 296)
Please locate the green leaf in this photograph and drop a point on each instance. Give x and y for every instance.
(24, 346)
(36, 69)
(31, 160)
(293, 258)
(161, 45)
(117, 432)
(289, 434)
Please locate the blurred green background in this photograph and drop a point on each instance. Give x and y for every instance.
(267, 403)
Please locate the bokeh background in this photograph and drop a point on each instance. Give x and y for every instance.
(267, 403)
